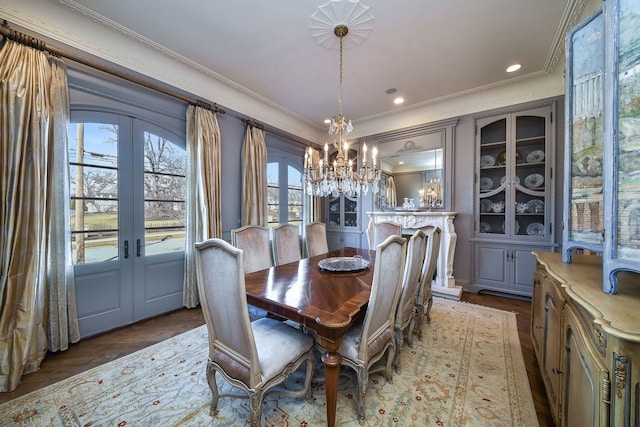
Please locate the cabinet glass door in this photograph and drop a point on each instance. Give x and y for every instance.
(492, 182)
(530, 179)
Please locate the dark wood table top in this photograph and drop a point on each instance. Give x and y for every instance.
(323, 301)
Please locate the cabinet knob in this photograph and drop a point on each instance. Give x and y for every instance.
(539, 327)
(557, 371)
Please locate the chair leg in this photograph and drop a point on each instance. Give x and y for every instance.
(211, 379)
(255, 403)
(363, 380)
(399, 341)
(410, 330)
(419, 320)
(307, 381)
(429, 304)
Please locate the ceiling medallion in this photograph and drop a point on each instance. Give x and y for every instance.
(350, 13)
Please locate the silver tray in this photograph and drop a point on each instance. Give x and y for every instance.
(343, 263)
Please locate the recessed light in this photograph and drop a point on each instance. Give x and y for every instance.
(514, 67)
(391, 90)
(327, 121)
(398, 100)
(401, 163)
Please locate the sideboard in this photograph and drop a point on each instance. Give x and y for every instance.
(587, 342)
(444, 284)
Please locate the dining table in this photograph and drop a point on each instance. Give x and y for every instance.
(322, 300)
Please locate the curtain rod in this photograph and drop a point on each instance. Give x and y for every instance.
(276, 132)
(41, 45)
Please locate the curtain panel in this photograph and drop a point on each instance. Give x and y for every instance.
(204, 193)
(37, 301)
(254, 178)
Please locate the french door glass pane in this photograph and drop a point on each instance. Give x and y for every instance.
(273, 193)
(93, 158)
(164, 194)
(294, 196)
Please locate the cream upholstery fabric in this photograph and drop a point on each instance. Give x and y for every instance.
(316, 237)
(286, 244)
(424, 296)
(254, 240)
(367, 341)
(203, 220)
(247, 354)
(382, 230)
(405, 316)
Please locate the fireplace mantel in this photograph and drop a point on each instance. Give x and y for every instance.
(444, 284)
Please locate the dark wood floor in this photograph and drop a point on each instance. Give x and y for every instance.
(103, 348)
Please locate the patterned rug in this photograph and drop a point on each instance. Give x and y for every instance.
(467, 371)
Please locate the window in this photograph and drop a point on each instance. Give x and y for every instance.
(284, 191)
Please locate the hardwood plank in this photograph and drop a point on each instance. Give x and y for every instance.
(103, 348)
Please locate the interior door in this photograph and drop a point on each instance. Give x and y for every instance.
(127, 219)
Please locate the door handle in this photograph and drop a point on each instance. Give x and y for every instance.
(138, 250)
(126, 249)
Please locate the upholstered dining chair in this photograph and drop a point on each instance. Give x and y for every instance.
(316, 238)
(248, 355)
(254, 240)
(367, 341)
(286, 244)
(424, 295)
(405, 315)
(382, 230)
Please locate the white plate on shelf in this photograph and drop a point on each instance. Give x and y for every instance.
(535, 206)
(534, 180)
(486, 205)
(535, 229)
(485, 227)
(486, 183)
(343, 264)
(535, 156)
(487, 160)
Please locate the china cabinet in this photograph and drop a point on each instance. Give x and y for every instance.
(587, 344)
(514, 198)
(343, 222)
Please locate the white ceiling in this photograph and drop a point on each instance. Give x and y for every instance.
(427, 49)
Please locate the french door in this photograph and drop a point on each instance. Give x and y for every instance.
(127, 219)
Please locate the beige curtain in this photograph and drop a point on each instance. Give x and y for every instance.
(31, 256)
(204, 219)
(391, 192)
(254, 178)
(63, 326)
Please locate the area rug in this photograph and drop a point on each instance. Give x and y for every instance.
(468, 370)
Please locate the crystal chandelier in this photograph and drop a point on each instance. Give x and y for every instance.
(322, 178)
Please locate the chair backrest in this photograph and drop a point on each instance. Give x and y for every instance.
(430, 261)
(379, 322)
(316, 237)
(286, 244)
(416, 251)
(220, 275)
(382, 230)
(254, 241)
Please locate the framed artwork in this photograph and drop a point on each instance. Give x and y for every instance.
(583, 214)
(622, 142)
